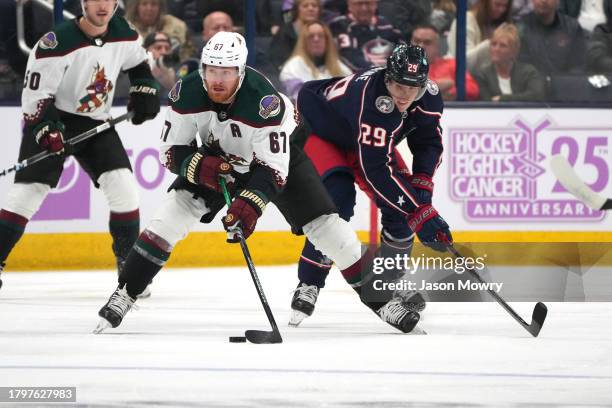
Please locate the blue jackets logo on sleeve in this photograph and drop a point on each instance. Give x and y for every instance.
(269, 106)
(432, 87)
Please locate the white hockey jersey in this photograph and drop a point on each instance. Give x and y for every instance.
(254, 128)
(77, 73)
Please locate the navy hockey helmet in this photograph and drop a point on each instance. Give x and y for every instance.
(408, 65)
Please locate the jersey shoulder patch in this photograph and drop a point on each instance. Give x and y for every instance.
(258, 102)
(65, 38)
(119, 29)
(188, 95)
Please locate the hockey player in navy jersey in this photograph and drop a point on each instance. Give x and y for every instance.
(68, 89)
(356, 123)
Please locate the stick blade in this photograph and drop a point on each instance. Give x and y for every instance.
(537, 319)
(572, 183)
(263, 337)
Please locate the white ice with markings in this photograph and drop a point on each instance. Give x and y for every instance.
(174, 350)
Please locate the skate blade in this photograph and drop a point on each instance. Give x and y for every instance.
(296, 318)
(103, 324)
(417, 331)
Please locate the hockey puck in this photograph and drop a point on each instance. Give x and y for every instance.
(237, 339)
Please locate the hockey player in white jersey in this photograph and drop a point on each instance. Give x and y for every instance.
(227, 120)
(68, 89)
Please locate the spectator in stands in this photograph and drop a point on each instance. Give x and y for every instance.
(599, 47)
(405, 15)
(283, 42)
(521, 8)
(442, 70)
(329, 10)
(149, 16)
(315, 57)
(589, 13)
(215, 22)
(364, 39)
(211, 24)
(159, 50)
(551, 41)
(506, 79)
(482, 19)
(442, 15)
(236, 9)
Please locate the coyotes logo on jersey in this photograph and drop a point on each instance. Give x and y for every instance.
(97, 91)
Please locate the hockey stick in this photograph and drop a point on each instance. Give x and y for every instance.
(255, 336)
(72, 141)
(572, 183)
(539, 312)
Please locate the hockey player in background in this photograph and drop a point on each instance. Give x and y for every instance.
(68, 89)
(355, 124)
(228, 120)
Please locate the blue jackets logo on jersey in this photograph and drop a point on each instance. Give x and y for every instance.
(175, 92)
(269, 106)
(48, 41)
(384, 104)
(432, 87)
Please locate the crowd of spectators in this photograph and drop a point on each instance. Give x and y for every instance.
(515, 48)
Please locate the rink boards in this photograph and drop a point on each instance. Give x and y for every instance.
(494, 184)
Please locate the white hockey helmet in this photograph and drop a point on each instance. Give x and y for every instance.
(225, 49)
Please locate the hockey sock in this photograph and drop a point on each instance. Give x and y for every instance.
(361, 278)
(124, 228)
(313, 266)
(144, 261)
(11, 229)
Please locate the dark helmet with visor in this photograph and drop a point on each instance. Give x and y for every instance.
(408, 65)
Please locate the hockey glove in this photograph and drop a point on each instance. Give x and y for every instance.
(206, 170)
(243, 215)
(430, 227)
(144, 100)
(50, 136)
(423, 186)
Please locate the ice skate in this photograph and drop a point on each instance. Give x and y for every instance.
(303, 303)
(113, 312)
(397, 313)
(146, 293)
(413, 300)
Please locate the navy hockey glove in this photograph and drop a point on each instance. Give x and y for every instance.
(430, 227)
(50, 136)
(423, 186)
(243, 215)
(206, 170)
(144, 100)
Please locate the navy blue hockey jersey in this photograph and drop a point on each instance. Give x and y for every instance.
(357, 113)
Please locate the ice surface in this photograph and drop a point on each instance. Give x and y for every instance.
(174, 351)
